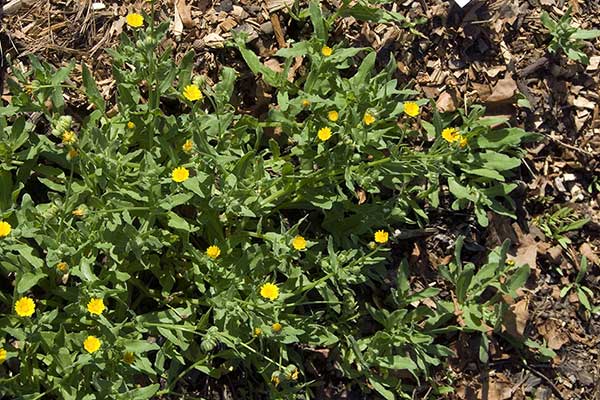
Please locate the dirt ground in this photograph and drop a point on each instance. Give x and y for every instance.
(491, 52)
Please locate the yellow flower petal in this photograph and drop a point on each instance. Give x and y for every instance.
(324, 134)
(180, 174)
(326, 51)
(5, 229)
(135, 20)
(213, 252)
(381, 236)
(333, 115)
(92, 344)
(368, 119)
(411, 109)
(25, 307)
(299, 243)
(96, 306)
(192, 93)
(269, 291)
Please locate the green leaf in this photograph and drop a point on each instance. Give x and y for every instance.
(29, 280)
(318, 22)
(91, 90)
(143, 393)
(586, 34)
(382, 390)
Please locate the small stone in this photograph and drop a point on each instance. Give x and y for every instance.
(226, 5)
(266, 27)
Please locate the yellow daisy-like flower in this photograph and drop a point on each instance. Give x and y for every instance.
(450, 134)
(326, 51)
(5, 228)
(213, 252)
(299, 243)
(381, 236)
(130, 125)
(257, 332)
(25, 307)
(78, 212)
(72, 153)
(292, 376)
(368, 119)
(188, 146)
(135, 20)
(462, 141)
(92, 344)
(411, 109)
(96, 306)
(192, 93)
(69, 137)
(62, 267)
(269, 291)
(333, 115)
(324, 134)
(275, 379)
(2, 355)
(128, 357)
(276, 327)
(305, 103)
(180, 174)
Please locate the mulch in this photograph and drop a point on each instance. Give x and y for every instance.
(491, 52)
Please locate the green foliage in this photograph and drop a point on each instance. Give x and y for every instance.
(556, 223)
(568, 38)
(584, 293)
(97, 213)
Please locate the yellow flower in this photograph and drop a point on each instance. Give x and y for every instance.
(78, 212)
(368, 119)
(299, 243)
(180, 174)
(130, 125)
(411, 109)
(72, 154)
(451, 134)
(91, 344)
(25, 307)
(187, 146)
(292, 376)
(510, 263)
(324, 134)
(333, 115)
(69, 137)
(135, 20)
(128, 357)
(213, 252)
(2, 355)
(192, 93)
(462, 141)
(62, 267)
(269, 291)
(305, 103)
(5, 228)
(326, 51)
(381, 236)
(275, 379)
(96, 306)
(257, 331)
(276, 327)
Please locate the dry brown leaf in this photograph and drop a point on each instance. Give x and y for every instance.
(552, 331)
(185, 13)
(516, 318)
(445, 103)
(504, 90)
(586, 250)
(361, 194)
(274, 65)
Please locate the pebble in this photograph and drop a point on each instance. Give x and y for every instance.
(267, 27)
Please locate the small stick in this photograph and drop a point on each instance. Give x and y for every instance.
(278, 31)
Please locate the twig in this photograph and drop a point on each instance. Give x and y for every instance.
(546, 379)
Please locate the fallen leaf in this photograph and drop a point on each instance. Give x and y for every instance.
(515, 318)
(552, 331)
(445, 102)
(504, 90)
(586, 250)
(184, 12)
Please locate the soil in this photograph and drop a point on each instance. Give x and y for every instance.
(490, 52)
